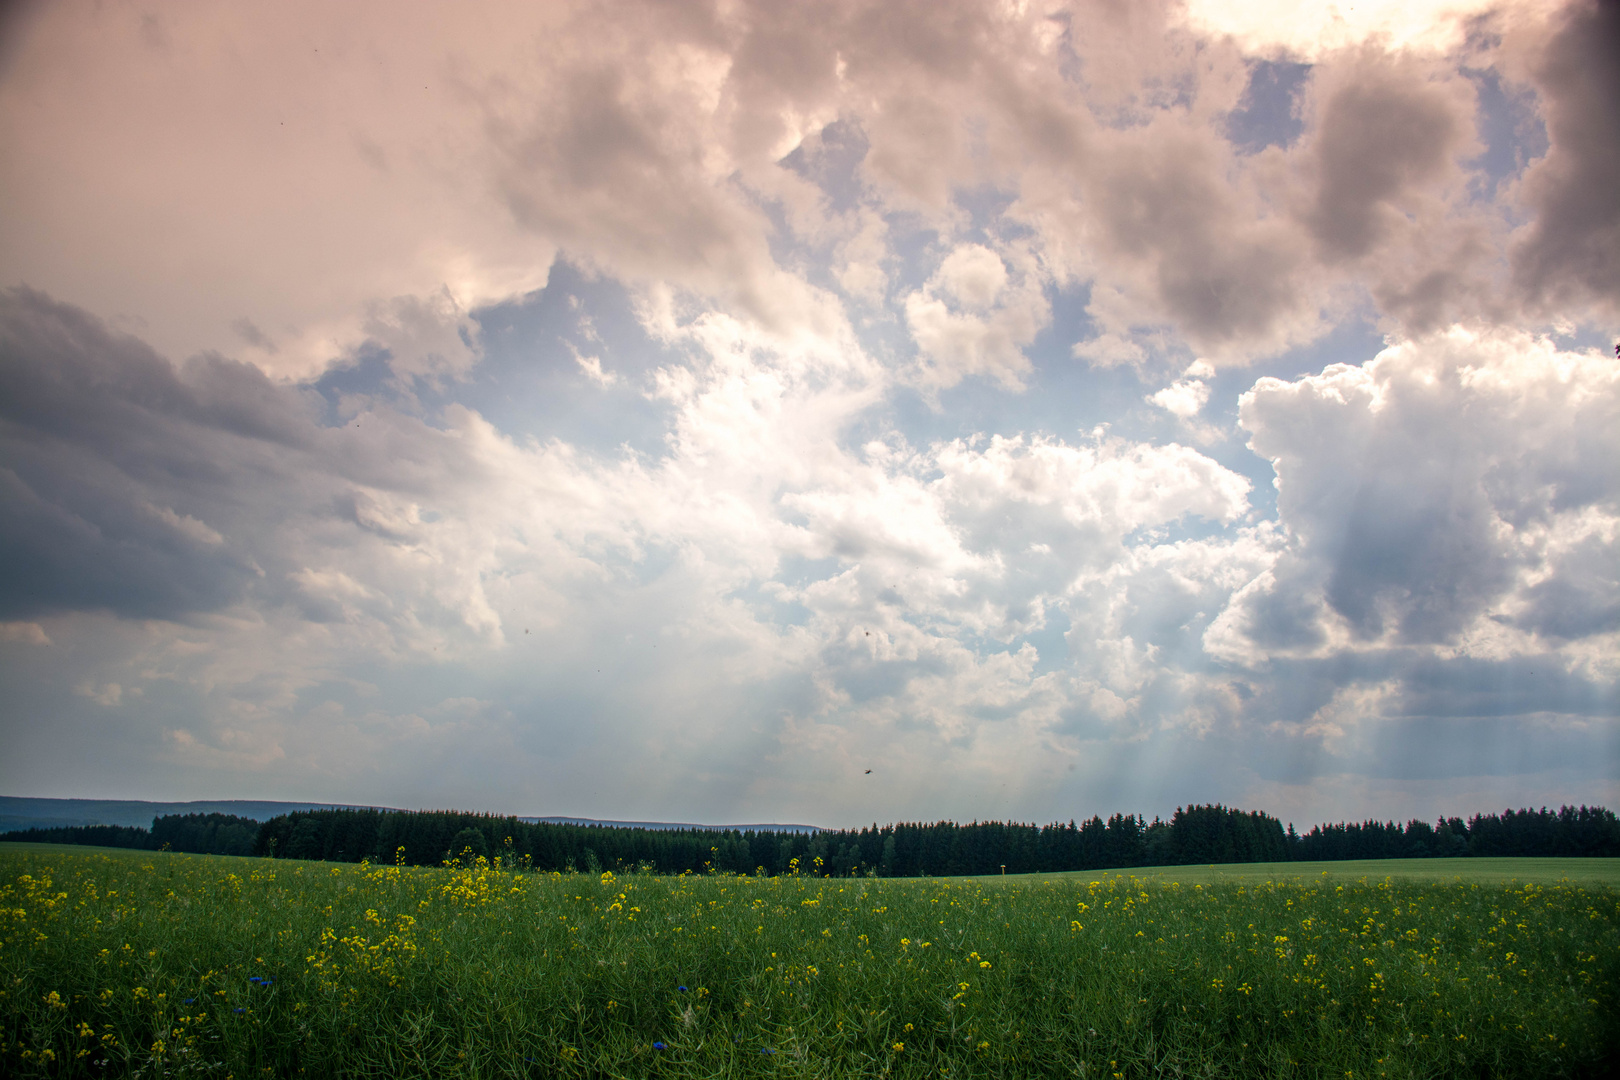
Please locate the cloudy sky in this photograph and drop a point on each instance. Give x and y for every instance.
(673, 410)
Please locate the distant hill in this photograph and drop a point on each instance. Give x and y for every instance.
(17, 813)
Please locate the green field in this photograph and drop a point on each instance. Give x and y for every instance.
(117, 963)
(1487, 871)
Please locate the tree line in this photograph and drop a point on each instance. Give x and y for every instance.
(1194, 834)
(197, 834)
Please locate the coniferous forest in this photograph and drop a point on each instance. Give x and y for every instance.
(1194, 834)
(197, 834)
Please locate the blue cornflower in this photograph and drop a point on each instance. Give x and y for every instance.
(682, 989)
(191, 1001)
(241, 1010)
(659, 1046)
(766, 1050)
(253, 978)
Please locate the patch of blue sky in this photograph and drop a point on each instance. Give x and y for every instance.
(831, 160)
(1512, 130)
(772, 606)
(915, 250)
(1268, 113)
(1176, 633)
(1574, 338)
(536, 378)
(986, 206)
(1063, 397)
(797, 571)
(345, 389)
(1191, 527)
(650, 563)
(1050, 641)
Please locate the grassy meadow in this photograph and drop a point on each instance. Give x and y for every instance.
(117, 963)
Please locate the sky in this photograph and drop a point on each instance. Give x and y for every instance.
(837, 413)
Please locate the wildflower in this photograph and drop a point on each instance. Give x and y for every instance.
(767, 1050)
(682, 989)
(659, 1046)
(899, 1047)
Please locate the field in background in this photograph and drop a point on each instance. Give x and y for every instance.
(1542, 871)
(117, 963)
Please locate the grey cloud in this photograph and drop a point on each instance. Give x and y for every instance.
(1382, 518)
(1381, 132)
(1430, 749)
(1429, 299)
(106, 464)
(1424, 716)
(1515, 686)
(248, 332)
(1419, 488)
(154, 492)
(1582, 596)
(613, 169)
(1572, 248)
(87, 546)
(424, 337)
(1219, 274)
(1416, 545)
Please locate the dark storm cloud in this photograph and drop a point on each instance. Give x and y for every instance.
(134, 487)
(1573, 246)
(110, 471)
(149, 491)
